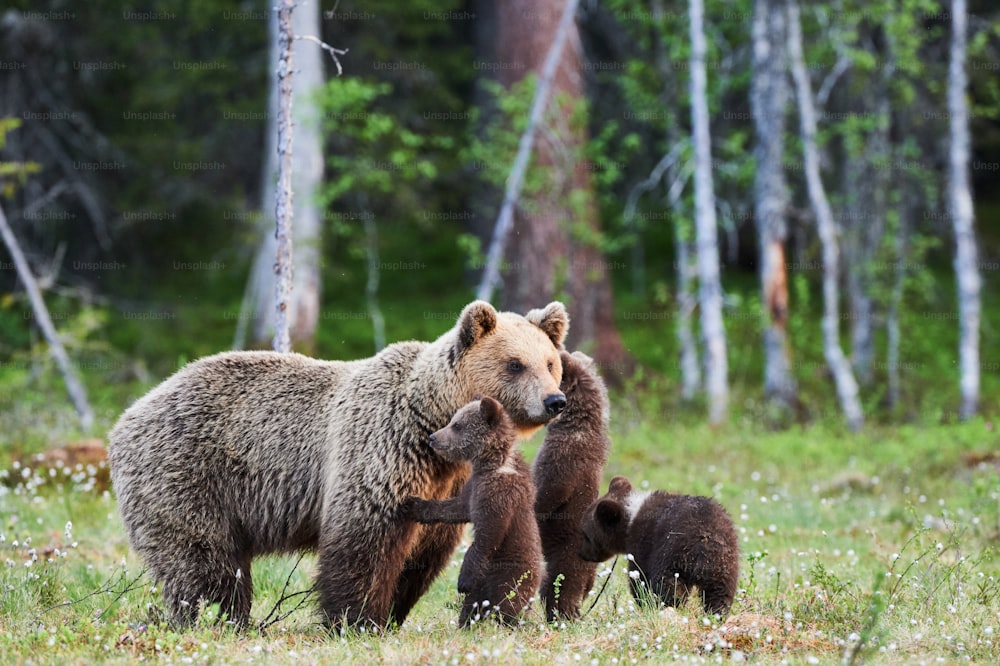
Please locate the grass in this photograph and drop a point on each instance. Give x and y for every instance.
(878, 547)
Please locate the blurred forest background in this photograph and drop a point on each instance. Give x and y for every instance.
(139, 180)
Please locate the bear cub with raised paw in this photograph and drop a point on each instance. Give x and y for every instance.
(677, 542)
(567, 473)
(501, 570)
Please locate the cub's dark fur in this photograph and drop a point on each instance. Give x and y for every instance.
(567, 473)
(677, 542)
(498, 498)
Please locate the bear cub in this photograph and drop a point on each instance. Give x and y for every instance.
(567, 473)
(501, 569)
(677, 542)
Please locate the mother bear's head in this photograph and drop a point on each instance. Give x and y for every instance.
(513, 359)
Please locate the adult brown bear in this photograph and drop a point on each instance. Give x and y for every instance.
(247, 453)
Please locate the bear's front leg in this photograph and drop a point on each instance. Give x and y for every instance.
(357, 577)
(428, 559)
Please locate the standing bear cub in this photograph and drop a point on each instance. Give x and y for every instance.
(567, 473)
(500, 572)
(677, 542)
(242, 454)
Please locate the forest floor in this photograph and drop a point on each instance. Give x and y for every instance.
(877, 547)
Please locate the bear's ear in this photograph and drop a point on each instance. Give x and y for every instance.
(585, 361)
(490, 410)
(553, 320)
(478, 318)
(620, 486)
(609, 513)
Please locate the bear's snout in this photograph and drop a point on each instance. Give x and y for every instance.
(554, 404)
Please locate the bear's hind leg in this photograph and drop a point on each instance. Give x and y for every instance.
(208, 579)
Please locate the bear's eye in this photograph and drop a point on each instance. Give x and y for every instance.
(551, 366)
(456, 427)
(515, 366)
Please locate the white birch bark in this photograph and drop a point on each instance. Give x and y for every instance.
(710, 286)
(283, 208)
(75, 388)
(768, 99)
(960, 208)
(306, 178)
(686, 302)
(847, 386)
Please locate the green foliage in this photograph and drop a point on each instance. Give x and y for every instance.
(13, 174)
(373, 151)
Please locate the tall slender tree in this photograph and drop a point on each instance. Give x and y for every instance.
(305, 178)
(960, 208)
(768, 98)
(847, 386)
(707, 245)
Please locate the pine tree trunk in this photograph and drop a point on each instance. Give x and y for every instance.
(847, 386)
(960, 207)
(543, 261)
(768, 98)
(710, 285)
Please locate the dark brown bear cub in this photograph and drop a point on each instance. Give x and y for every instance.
(677, 542)
(567, 473)
(500, 572)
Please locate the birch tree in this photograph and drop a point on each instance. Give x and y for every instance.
(305, 175)
(707, 246)
(768, 98)
(960, 209)
(847, 386)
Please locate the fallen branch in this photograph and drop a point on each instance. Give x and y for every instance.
(77, 392)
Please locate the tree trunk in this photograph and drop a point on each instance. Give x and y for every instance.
(371, 285)
(709, 286)
(77, 392)
(544, 259)
(306, 178)
(515, 180)
(768, 98)
(847, 386)
(686, 301)
(960, 208)
(895, 301)
(867, 181)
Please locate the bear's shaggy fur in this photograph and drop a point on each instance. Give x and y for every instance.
(501, 569)
(676, 542)
(567, 473)
(246, 453)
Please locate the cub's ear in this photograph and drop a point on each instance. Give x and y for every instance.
(553, 320)
(620, 486)
(585, 361)
(490, 410)
(478, 319)
(609, 513)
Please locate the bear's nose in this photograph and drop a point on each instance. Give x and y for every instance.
(554, 404)
(433, 438)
